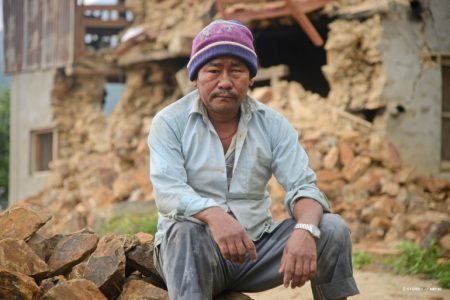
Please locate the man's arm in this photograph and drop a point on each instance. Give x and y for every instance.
(304, 202)
(298, 263)
(174, 196)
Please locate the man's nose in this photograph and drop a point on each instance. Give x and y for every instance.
(225, 81)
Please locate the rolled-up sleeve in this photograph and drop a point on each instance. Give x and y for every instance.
(290, 165)
(174, 197)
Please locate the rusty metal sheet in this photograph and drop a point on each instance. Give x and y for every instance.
(39, 34)
(13, 46)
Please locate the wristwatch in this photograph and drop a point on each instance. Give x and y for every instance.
(314, 230)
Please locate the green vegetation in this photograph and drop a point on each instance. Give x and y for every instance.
(361, 259)
(4, 145)
(414, 260)
(130, 224)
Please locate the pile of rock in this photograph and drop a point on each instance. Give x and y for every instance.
(361, 173)
(80, 265)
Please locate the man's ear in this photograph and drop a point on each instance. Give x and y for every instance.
(251, 82)
(194, 83)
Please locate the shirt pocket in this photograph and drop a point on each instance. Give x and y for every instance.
(257, 173)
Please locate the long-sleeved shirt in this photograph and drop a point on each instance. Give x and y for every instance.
(188, 170)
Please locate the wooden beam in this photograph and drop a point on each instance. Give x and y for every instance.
(258, 15)
(271, 72)
(98, 23)
(304, 22)
(118, 7)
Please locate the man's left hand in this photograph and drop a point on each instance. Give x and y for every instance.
(299, 260)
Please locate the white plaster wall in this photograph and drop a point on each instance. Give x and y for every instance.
(30, 109)
(413, 81)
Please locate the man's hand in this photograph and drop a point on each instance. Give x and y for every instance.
(229, 235)
(298, 263)
(299, 260)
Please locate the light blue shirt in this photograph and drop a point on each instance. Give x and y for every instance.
(188, 171)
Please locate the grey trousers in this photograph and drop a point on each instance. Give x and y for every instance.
(193, 268)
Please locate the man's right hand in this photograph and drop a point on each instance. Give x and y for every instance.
(229, 235)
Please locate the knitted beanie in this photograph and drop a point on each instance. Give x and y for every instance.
(222, 38)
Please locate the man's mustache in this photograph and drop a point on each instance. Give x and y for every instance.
(224, 95)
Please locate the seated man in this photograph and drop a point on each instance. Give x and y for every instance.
(212, 153)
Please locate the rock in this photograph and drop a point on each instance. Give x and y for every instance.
(42, 246)
(21, 222)
(345, 154)
(129, 242)
(390, 188)
(435, 232)
(78, 271)
(15, 285)
(328, 175)
(103, 196)
(144, 237)
(139, 289)
(444, 242)
(75, 289)
(405, 174)
(356, 168)
(141, 259)
(106, 266)
(49, 283)
(71, 250)
(16, 255)
(331, 158)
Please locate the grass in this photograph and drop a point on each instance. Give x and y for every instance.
(411, 260)
(130, 224)
(414, 260)
(361, 259)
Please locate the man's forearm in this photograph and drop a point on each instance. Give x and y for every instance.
(308, 211)
(210, 214)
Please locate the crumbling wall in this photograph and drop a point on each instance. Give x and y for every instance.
(383, 64)
(361, 172)
(410, 50)
(354, 67)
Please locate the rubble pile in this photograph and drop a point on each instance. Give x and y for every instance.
(80, 265)
(101, 160)
(163, 27)
(361, 173)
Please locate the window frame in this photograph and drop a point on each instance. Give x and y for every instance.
(445, 63)
(34, 148)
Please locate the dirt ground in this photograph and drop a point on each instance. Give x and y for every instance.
(372, 286)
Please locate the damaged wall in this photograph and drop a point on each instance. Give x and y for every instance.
(30, 100)
(383, 65)
(410, 51)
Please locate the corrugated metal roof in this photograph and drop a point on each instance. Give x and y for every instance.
(39, 34)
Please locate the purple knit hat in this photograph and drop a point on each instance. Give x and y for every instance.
(219, 38)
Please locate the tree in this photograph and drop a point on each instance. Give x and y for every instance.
(4, 145)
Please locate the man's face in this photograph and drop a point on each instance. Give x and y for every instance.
(223, 84)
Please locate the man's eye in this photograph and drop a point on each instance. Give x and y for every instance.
(213, 71)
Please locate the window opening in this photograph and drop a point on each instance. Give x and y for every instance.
(445, 133)
(42, 149)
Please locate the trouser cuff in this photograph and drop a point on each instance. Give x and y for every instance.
(336, 289)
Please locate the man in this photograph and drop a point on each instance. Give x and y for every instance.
(211, 155)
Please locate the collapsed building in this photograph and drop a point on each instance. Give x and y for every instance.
(371, 106)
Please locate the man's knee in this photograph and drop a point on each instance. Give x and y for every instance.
(333, 227)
